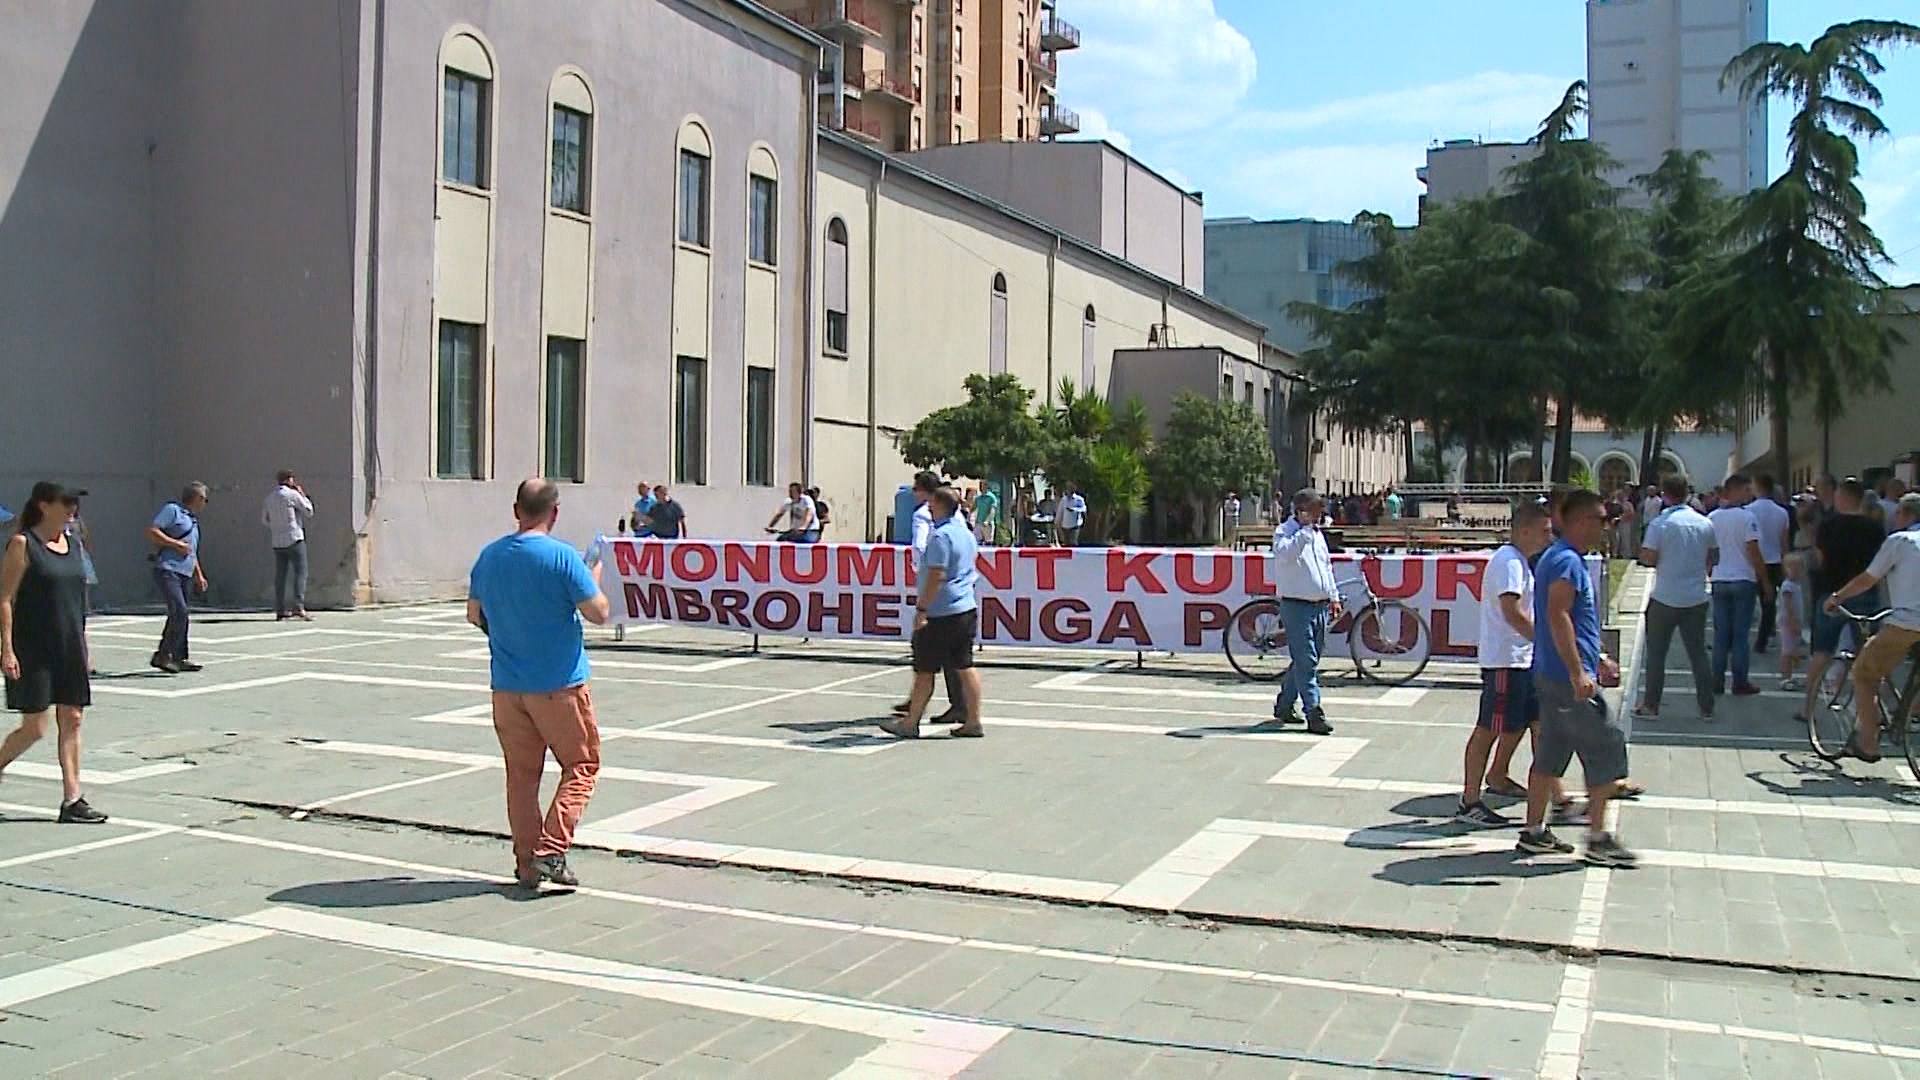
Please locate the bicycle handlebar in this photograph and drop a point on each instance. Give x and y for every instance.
(1856, 617)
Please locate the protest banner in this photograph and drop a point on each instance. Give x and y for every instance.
(1124, 599)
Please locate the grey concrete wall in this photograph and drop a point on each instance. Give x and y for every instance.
(78, 82)
(255, 181)
(651, 65)
(1471, 169)
(1257, 268)
(1156, 216)
(1058, 183)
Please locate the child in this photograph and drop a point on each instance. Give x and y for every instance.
(1792, 644)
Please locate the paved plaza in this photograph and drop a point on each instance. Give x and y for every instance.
(306, 876)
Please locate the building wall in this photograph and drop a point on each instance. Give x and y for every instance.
(1090, 191)
(929, 281)
(1654, 70)
(1466, 169)
(79, 88)
(653, 68)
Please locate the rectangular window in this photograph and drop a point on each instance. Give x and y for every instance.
(957, 103)
(689, 420)
(1226, 388)
(763, 220)
(463, 147)
(459, 403)
(919, 34)
(760, 427)
(569, 181)
(694, 198)
(561, 457)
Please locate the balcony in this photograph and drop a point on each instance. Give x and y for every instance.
(1057, 119)
(867, 129)
(1046, 66)
(1057, 34)
(885, 87)
(850, 85)
(855, 20)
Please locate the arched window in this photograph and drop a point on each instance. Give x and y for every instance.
(1089, 349)
(572, 143)
(466, 81)
(696, 186)
(1616, 472)
(997, 326)
(463, 285)
(763, 207)
(836, 288)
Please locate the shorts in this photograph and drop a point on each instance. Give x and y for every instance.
(45, 683)
(1571, 728)
(945, 643)
(1882, 654)
(1827, 629)
(1507, 703)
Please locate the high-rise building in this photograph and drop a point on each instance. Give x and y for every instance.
(1468, 168)
(917, 73)
(1653, 72)
(1259, 267)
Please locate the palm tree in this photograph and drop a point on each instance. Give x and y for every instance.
(1803, 294)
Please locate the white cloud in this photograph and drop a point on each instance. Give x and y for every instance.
(1159, 67)
(1094, 125)
(1491, 104)
(1332, 181)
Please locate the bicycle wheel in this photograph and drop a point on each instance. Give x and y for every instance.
(1256, 641)
(1831, 721)
(1390, 643)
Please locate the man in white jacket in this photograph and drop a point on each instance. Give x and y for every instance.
(1309, 602)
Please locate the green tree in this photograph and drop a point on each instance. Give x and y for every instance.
(993, 435)
(1100, 453)
(1578, 316)
(1352, 377)
(1802, 293)
(1685, 230)
(1209, 448)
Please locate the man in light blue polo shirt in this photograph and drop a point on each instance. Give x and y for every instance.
(1682, 548)
(946, 620)
(175, 536)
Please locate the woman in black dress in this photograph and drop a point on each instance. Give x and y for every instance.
(43, 639)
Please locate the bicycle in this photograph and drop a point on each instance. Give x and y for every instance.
(1831, 722)
(1388, 640)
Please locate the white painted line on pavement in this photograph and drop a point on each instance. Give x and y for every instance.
(91, 845)
(1566, 1044)
(1413, 840)
(102, 777)
(73, 974)
(1321, 761)
(720, 664)
(770, 699)
(302, 813)
(1593, 908)
(283, 680)
(918, 1044)
(1396, 697)
(1183, 871)
(1811, 1042)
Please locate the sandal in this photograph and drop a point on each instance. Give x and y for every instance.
(969, 733)
(1627, 790)
(899, 729)
(1505, 788)
(1853, 751)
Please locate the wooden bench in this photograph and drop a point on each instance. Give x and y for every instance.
(1418, 538)
(1252, 536)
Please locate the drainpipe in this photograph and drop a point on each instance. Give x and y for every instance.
(370, 336)
(808, 318)
(1053, 260)
(873, 342)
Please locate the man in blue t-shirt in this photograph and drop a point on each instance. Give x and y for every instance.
(642, 510)
(1568, 668)
(945, 622)
(528, 593)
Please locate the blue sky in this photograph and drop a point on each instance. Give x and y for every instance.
(1304, 108)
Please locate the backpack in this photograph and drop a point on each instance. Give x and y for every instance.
(825, 513)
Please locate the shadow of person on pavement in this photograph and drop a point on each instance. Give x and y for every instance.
(1819, 779)
(1473, 868)
(397, 892)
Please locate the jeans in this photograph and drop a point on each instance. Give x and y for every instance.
(529, 726)
(1306, 625)
(1733, 605)
(1662, 621)
(1769, 608)
(173, 591)
(290, 562)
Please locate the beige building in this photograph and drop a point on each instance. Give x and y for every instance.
(910, 74)
(1468, 168)
(1875, 430)
(923, 282)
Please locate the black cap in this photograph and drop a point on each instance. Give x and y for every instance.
(47, 491)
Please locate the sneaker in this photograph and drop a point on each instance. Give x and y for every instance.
(1792, 685)
(1479, 814)
(1542, 843)
(554, 869)
(1745, 690)
(1317, 723)
(161, 663)
(1604, 850)
(78, 812)
(1291, 716)
(187, 665)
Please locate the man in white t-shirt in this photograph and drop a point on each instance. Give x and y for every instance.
(1898, 564)
(1738, 580)
(1683, 547)
(1069, 513)
(1507, 705)
(1774, 522)
(802, 518)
